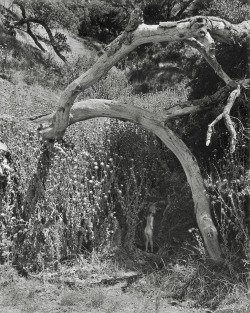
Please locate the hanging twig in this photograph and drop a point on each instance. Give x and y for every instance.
(228, 122)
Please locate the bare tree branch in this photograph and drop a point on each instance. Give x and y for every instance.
(194, 27)
(228, 122)
(207, 49)
(208, 102)
(27, 20)
(211, 128)
(52, 41)
(180, 109)
(29, 31)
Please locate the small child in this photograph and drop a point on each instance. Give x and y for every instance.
(149, 227)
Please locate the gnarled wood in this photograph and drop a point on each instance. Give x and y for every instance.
(122, 45)
(180, 109)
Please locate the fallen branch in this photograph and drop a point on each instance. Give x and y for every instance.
(180, 109)
(229, 124)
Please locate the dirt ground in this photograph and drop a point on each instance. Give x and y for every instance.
(102, 300)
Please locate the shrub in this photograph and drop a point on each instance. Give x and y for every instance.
(228, 187)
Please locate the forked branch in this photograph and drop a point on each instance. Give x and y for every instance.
(228, 122)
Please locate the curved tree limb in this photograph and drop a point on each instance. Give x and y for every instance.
(29, 31)
(53, 126)
(180, 109)
(52, 41)
(127, 42)
(152, 122)
(229, 124)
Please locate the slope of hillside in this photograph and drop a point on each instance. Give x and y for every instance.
(78, 46)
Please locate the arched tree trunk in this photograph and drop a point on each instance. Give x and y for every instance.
(201, 27)
(153, 122)
(197, 31)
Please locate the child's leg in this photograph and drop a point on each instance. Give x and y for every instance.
(151, 244)
(146, 244)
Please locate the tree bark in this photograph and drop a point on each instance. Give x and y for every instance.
(153, 122)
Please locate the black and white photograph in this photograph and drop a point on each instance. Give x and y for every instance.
(124, 156)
